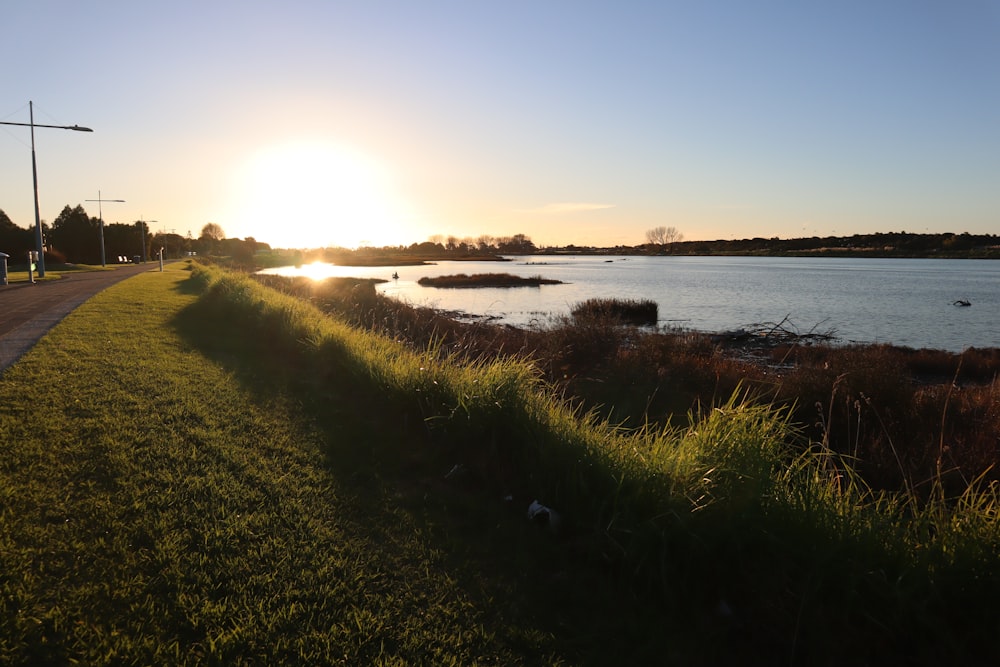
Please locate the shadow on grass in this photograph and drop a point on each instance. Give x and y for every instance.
(533, 588)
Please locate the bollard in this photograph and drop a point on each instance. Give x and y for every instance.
(3, 268)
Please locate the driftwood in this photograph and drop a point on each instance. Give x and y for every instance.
(767, 334)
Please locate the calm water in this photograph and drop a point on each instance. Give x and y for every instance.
(900, 301)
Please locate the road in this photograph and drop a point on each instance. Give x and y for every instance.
(28, 311)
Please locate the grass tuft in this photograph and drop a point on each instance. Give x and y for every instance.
(629, 311)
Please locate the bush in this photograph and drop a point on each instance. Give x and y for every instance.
(628, 311)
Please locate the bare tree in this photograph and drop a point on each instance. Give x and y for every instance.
(663, 235)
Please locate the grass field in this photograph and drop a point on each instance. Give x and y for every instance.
(18, 273)
(220, 474)
(170, 495)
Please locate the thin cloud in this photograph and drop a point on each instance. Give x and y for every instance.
(561, 208)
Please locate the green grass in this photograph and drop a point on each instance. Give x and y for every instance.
(15, 274)
(165, 501)
(221, 474)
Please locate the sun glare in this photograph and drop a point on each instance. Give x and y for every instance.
(317, 194)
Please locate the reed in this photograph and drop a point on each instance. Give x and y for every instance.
(740, 511)
(628, 311)
(462, 280)
(881, 404)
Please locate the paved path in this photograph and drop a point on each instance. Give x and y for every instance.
(28, 311)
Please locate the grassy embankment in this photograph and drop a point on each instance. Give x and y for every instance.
(18, 273)
(908, 419)
(219, 473)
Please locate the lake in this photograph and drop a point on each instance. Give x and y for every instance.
(905, 302)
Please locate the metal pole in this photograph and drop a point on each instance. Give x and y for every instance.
(39, 243)
(142, 232)
(100, 214)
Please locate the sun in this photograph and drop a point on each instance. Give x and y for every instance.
(314, 194)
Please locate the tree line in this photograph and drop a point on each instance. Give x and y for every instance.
(448, 246)
(881, 244)
(75, 237)
(518, 244)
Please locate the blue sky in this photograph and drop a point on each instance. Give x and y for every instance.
(334, 123)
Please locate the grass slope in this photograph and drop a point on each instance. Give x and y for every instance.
(220, 474)
(163, 501)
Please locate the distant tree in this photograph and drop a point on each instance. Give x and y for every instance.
(211, 236)
(519, 244)
(174, 245)
(663, 235)
(76, 235)
(14, 240)
(426, 248)
(213, 231)
(121, 240)
(145, 239)
(5, 221)
(239, 250)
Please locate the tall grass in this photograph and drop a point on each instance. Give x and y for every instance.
(897, 412)
(244, 478)
(734, 513)
(630, 311)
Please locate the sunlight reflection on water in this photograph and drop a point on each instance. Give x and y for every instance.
(900, 301)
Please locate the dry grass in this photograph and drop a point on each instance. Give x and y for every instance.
(907, 417)
(626, 311)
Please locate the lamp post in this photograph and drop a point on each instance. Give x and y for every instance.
(100, 215)
(34, 177)
(143, 224)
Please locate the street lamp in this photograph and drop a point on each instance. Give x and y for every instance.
(34, 177)
(143, 225)
(100, 215)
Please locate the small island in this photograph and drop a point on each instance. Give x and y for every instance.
(486, 280)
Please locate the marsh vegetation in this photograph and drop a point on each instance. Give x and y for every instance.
(462, 280)
(906, 418)
(228, 474)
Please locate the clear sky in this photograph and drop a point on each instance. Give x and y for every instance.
(316, 123)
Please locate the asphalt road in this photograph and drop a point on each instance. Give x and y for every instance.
(28, 311)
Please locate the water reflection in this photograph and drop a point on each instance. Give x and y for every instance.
(899, 301)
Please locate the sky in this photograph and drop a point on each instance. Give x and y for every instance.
(327, 123)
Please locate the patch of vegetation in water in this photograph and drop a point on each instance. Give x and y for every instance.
(628, 311)
(462, 280)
